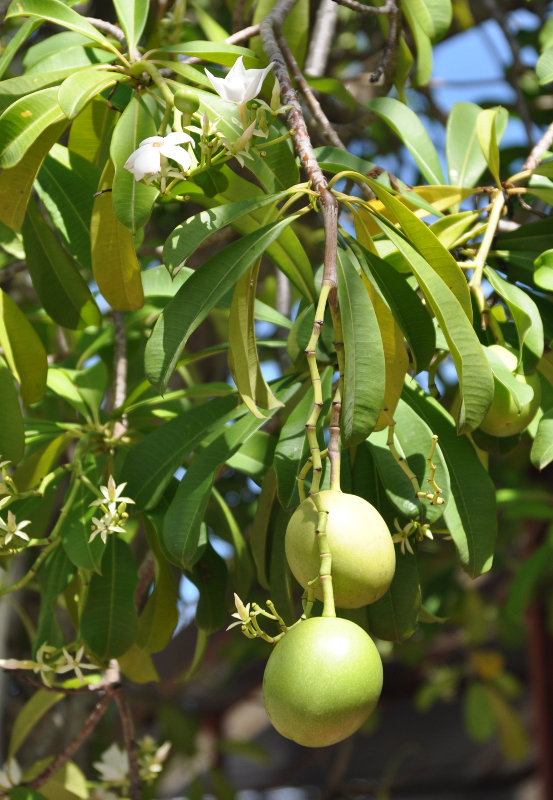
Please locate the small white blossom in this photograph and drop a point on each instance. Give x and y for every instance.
(10, 775)
(152, 154)
(111, 495)
(402, 537)
(240, 84)
(106, 524)
(74, 663)
(12, 528)
(114, 765)
(151, 758)
(242, 613)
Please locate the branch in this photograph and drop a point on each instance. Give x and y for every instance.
(389, 7)
(8, 272)
(119, 370)
(537, 151)
(129, 737)
(321, 40)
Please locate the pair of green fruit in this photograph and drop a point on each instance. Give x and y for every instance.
(324, 677)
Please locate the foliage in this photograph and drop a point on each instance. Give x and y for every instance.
(149, 238)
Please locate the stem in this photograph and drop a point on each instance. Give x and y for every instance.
(325, 574)
(334, 454)
(311, 424)
(480, 260)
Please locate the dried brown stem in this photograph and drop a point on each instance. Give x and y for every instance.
(389, 7)
(389, 46)
(85, 731)
(130, 742)
(538, 150)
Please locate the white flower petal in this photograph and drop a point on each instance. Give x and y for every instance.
(146, 162)
(176, 137)
(151, 140)
(176, 153)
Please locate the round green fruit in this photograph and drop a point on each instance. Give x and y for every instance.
(187, 101)
(504, 417)
(322, 680)
(363, 555)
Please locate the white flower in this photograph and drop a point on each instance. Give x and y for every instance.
(13, 528)
(242, 613)
(107, 524)
(402, 537)
(114, 766)
(150, 158)
(74, 663)
(111, 494)
(10, 775)
(240, 84)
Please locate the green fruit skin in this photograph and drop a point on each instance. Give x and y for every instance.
(363, 555)
(506, 418)
(187, 101)
(322, 680)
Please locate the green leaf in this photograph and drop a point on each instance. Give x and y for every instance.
(152, 461)
(132, 17)
(512, 733)
(132, 200)
(160, 616)
(413, 440)
(58, 283)
(428, 245)
(479, 719)
(22, 793)
(12, 431)
(394, 617)
(451, 228)
(260, 527)
(280, 577)
(54, 575)
(243, 357)
(242, 567)
(526, 317)
(332, 159)
(20, 36)
(23, 350)
(486, 133)
(24, 122)
(193, 302)
(440, 13)
(420, 22)
(90, 134)
(465, 158)
(210, 576)
(67, 783)
(187, 237)
(471, 510)
(473, 371)
(181, 530)
(527, 579)
(364, 371)
(544, 66)
(294, 29)
(255, 456)
(27, 719)
(407, 125)
(408, 310)
(66, 185)
(137, 665)
(14, 88)
(76, 529)
(58, 13)
(542, 447)
(78, 89)
(215, 52)
(109, 623)
(114, 263)
(13, 205)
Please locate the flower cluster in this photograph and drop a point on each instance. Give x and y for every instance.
(151, 160)
(50, 662)
(113, 766)
(12, 528)
(114, 507)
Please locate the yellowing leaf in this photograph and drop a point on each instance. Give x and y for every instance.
(23, 350)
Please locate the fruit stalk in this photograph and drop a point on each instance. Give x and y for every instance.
(325, 568)
(311, 355)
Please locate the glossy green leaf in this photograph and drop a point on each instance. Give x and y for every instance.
(22, 793)
(364, 369)
(14, 88)
(260, 527)
(255, 456)
(280, 577)
(78, 89)
(212, 30)
(20, 36)
(54, 575)
(405, 304)
(420, 22)
(394, 617)
(295, 28)
(66, 184)
(292, 449)
(242, 568)
(114, 263)
(428, 245)
(487, 139)
(466, 161)
(542, 447)
(451, 228)
(90, 133)
(58, 13)
(412, 440)
(214, 52)
(473, 371)
(334, 160)
(58, 283)
(439, 14)
(109, 623)
(152, 461)
(196, 298)
(132, 200)
(137, 665)
(471, 510)
(132, 17)
(160, 616)
(23, 350)
(181, 530)
(24, 122)
(13, 203)
(406, 124)
(12, 431)
(67, 783)
(76, 528)
(526, 317)
(544, 66)
(210, 576)
(243, 356)
(27, 719)
(187, 237)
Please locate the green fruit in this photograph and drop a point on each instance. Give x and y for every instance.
(363, 555)
(187, 101)
(322, 681)
(505, 417)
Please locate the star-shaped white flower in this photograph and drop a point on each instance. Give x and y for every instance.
(111, 495)
(74, 663)
(114, 766)
(402, 537)
(150, 157)
(106, 524)
(13, 528)
(240, 84)
(242, 613)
